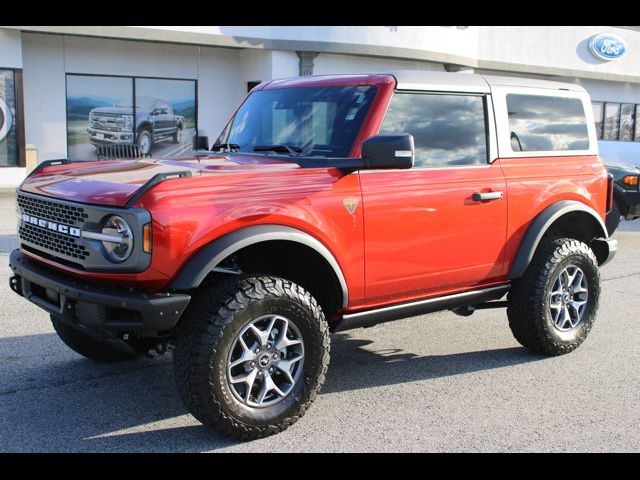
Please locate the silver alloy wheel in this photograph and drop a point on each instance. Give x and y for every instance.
(568, 298)
(265, 361)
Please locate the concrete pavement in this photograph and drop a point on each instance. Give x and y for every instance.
(437, 382)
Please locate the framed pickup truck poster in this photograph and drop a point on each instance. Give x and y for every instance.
(158, 115)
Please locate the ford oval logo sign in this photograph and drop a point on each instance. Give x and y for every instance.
(607, 46)
(5, 119)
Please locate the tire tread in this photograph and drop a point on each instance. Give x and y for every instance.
(204, 324)
(526, 297)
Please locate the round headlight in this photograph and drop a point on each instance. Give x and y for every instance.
(120, 248)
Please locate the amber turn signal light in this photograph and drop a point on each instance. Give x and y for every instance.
(146, 238)
(630, 180)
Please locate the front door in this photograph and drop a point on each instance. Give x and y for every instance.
(440, 226)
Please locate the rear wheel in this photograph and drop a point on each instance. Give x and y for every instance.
(177, 136)
(88, 346)
(552, 308)
(251, 355)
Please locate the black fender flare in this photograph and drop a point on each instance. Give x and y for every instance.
(209, 256)
(145, 125)
(541, 224)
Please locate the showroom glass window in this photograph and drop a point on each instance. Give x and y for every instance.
(598, 114)
(448, 130)
(627, 121)
(611, 121)
(8, 135)
(546, 123)
(158, 114)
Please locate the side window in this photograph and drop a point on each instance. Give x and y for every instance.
(448, 130)
(546, 123)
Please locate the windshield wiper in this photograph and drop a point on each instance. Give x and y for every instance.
(225, 146)
(295, 151)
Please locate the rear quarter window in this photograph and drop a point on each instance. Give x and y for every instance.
(546, 123)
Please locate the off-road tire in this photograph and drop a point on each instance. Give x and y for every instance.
(207, 332)
(528, 300)
(87, 346)
(613, 219)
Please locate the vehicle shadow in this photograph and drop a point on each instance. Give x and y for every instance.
(355, 365)
(57, 401)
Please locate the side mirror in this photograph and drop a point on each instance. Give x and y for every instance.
(201, 141)
(389, 151)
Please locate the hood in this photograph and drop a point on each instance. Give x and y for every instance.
(613, 163)
(114, 182)
(112, 110)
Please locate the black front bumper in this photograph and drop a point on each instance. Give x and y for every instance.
(633, 202)
(93, 306)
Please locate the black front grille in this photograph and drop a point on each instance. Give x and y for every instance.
(110, 115)
(108, 126)
(52, 241)
(53, 211)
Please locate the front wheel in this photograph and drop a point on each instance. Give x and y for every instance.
(144, 142)
(251, 355)
(552, 308)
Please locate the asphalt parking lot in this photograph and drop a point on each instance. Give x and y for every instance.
(437, 382)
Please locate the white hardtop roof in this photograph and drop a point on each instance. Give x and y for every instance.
(470, 82)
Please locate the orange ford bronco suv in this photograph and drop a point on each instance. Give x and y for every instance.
(326, 203)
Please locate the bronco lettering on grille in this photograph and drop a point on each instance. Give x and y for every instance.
(54, 226)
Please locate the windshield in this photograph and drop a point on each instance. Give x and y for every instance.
(314, 121)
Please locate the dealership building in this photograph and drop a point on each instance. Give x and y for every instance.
(66, 90)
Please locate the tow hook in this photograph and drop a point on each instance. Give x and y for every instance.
(159, 348)
(15, 284)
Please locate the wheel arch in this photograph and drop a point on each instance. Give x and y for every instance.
(194, 272)
(144, 125)
(567, 217)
